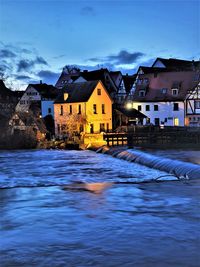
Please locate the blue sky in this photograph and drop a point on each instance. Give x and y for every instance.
(38, 38)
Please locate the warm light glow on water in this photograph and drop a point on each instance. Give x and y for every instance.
(151, 224)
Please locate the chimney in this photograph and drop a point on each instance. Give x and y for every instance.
(40, 81)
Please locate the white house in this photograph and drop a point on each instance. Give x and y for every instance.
(161, 93)
(43, 94)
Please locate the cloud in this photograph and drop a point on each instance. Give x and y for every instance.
(22, 77)
(26, 64)
(122, 58)
(40, 60)
(87, 11)
(7, 53)
(48, 76)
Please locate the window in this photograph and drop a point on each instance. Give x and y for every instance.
(98, 91)
(61, 110)
(139, 107)
(107, 126)
(176, 107)
(155, 107)
(175, 91)
(95, 109)
(58, 127)
(102, 127)
(147, 108)
(91, 128)
(157, 121)
(16, 121)
(146, 80)
(164, 90)
(142, 93)
(103, 108)
(81, 128)
(176, 121)
(140, 81)
(197, 104)
(70, 109)
(79, 109)
(49, 110)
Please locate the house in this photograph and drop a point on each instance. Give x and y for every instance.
(84, 107)
(126, 116)
(81, 76)
(174, 64)
(160, 94)
(8, 100)
(193, 106)
(27, 123)
(42, 93)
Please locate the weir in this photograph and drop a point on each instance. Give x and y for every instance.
(176, 167)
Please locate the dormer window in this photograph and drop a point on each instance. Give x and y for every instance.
(164, 90)
(142, 93)
(175, 91)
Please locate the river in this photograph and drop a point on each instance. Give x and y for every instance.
(48, 217)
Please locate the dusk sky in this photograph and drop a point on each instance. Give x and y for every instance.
(38, 38)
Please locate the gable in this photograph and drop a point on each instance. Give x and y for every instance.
(104, 94)
(158, 64)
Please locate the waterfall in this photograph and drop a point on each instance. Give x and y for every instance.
(176, 167)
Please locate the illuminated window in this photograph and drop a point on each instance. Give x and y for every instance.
(103, 108)
(98, 91)
(176, 121)
(95, 109)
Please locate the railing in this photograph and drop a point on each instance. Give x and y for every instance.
(175, 137)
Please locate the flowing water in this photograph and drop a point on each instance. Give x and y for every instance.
(50, 217)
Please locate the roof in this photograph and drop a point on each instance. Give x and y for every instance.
(78, 92)
(4, 91)
(94, 75)
(129, 81)
(178, 64)
(183, 80)
(147, 70)
(29, 120)
(46, 90)
(131, 113)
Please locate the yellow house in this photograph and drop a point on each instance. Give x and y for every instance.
(85, 108)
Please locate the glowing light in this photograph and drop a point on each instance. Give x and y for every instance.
(129, 105)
